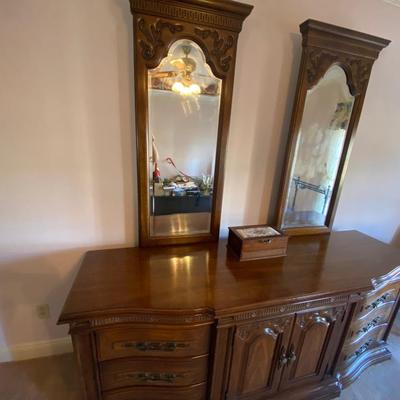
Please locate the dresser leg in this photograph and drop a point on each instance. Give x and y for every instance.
(84, 348)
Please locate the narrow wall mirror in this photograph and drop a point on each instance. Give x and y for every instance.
(184, 102)
(185, 57)
(334, 73)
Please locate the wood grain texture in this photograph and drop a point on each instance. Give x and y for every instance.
(267, 328)
(204, 279)
(160, 341)
(149, 372)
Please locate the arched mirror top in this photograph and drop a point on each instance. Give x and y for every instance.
(158, 37)
(185, 71)
(357, 71)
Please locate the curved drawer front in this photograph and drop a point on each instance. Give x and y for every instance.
(377, 316)
(369, 340)
(155, 341)
(152, 372)
(197, 392)
(378, 299)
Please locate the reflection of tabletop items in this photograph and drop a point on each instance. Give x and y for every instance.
(302, 185)
(167, 205)
(183, 186)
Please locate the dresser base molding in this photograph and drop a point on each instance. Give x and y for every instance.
(370, 357)
(326, 390)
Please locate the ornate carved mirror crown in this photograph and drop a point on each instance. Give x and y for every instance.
(185, 52)
(334, 73)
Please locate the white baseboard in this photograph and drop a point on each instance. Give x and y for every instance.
(45, 348)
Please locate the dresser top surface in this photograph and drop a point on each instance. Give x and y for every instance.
(207, 276)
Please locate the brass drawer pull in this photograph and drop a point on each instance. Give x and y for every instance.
(369, 326)
(152, 346)
(154, 377)
(381, 300)
(362, 349)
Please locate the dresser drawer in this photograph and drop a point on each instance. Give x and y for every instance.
(153, 372)
(377, 316)
(155, 341)
(377, 299)
(197, 392)
(353, 349)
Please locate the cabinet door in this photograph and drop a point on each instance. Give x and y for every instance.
(259, 355)
(314, 337)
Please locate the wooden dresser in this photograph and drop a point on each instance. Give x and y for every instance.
(191, 322)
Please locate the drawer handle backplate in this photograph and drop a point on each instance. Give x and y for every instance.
(369, 326)
(381, 300)
(166, 377)
(151, 346)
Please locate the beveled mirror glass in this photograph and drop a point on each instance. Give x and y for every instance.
(183, 110)
(318, 150)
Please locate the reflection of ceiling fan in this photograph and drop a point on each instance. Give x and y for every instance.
(186, 66)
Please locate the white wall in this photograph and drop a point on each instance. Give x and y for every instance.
(67, 158)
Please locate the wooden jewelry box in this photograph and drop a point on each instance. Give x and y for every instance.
(253, 242)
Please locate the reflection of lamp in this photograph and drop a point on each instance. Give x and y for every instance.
(187, 65)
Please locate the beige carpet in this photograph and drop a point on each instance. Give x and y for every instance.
(56, 378)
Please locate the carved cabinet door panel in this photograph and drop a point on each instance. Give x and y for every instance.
(311, 346)
(259, 355)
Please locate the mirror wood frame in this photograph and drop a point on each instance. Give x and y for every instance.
(325, 45)
(215, 26)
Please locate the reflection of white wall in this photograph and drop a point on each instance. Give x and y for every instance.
(185, 129)
(320, 145)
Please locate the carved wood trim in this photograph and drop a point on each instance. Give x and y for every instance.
(153, 35)
(357, 69)
(390, 277)
(152, 318)
(271, 328)
(221, 48)
(324, 317)
(281, 309)
(231, 19)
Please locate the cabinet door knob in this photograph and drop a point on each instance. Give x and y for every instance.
(282, 359)
(292, 357)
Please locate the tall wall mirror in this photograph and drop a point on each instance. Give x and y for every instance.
(334, 73)
(184, 102)
(185, 57)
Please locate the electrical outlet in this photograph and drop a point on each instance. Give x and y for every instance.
(43, 311)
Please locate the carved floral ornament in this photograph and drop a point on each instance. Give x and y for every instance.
(270, 328)
(357, 69)
(219, 47)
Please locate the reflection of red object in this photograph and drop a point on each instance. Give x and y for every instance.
(156, 173)
(170, 161)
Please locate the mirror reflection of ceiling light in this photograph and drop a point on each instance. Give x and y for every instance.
(179, 87)
(187, 66)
